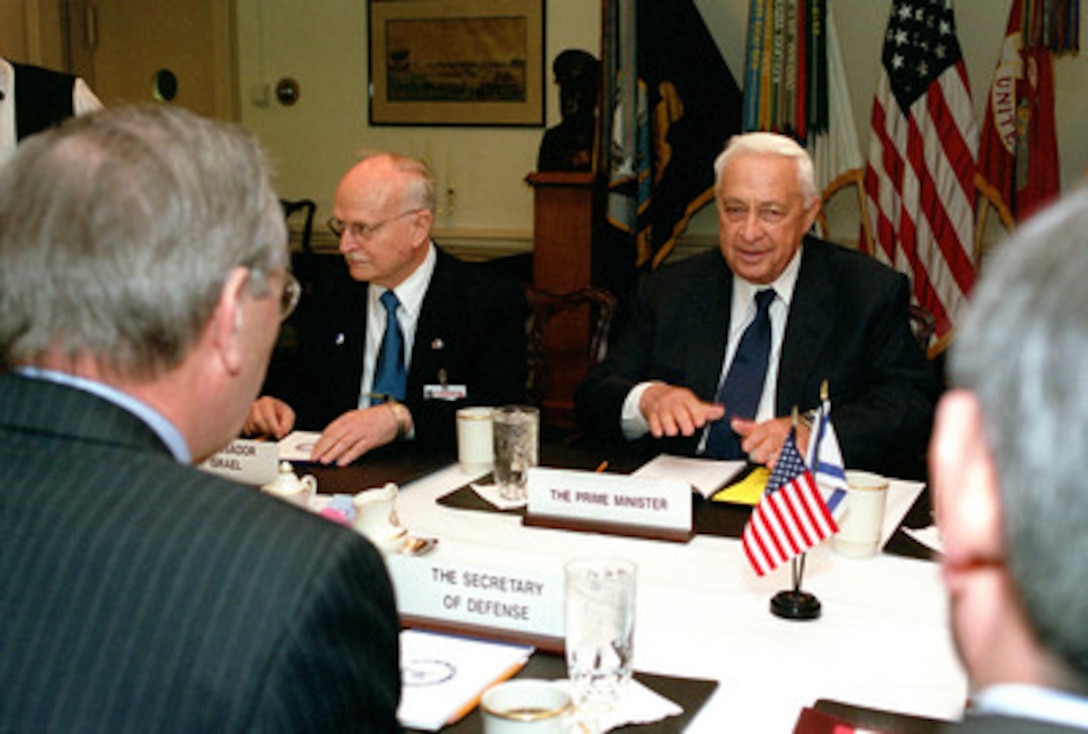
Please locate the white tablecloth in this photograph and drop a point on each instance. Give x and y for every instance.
(881, 642)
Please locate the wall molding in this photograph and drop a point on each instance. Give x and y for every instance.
(467, 244)
(487, 244)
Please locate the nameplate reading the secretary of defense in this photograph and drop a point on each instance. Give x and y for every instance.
(519, 599)
(610, 498)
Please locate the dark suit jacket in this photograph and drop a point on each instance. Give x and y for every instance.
(848, 324)
(471, 330)
(143, 595)
(43, 98)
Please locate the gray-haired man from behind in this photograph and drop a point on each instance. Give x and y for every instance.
(142, 281)
(1009, 461)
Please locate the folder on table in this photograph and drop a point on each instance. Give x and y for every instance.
(443, 676)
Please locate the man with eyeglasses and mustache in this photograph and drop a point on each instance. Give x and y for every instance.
(143, 279)
(459, 331)
(825, 313)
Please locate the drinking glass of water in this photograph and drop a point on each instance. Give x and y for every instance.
(600, 625)
(516, 433)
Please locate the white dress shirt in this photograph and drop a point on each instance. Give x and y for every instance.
(1032, 702)
(742, 314)
(410, 293)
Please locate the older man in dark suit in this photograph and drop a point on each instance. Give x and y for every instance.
(722, 346)
(458, 331)
(142, 281)
(1008, 466)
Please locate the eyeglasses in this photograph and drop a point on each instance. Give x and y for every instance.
(289, 295)
(362, 231)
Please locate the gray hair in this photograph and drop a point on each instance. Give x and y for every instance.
(118, 231)
(770, 144)
(419, 186)
(1023, 350)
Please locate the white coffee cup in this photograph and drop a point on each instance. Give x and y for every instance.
(475, 450)
(526, 706)
(862, 523)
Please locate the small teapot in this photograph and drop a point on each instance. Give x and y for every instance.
(287, 486)
(376, 518)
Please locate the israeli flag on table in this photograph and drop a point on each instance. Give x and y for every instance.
(825, 462)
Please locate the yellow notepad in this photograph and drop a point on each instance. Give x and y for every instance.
(747, 491)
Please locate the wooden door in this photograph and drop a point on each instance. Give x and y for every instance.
(179, 51)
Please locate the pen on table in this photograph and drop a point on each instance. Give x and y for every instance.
(475, 700)
(601, 467)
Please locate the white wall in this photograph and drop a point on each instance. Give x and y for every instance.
(323, 44)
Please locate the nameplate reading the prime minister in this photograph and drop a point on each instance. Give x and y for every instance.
(610, 498)
(248, 462)
(517, 599)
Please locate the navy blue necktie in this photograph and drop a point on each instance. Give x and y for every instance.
(743, 384)
(390, 377)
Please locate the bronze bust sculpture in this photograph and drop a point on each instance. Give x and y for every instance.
(569, 145)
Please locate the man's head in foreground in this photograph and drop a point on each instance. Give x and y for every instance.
(1009, 459)
(144, 248)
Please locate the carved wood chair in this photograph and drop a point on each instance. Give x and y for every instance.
(923, 325)
(544, 307)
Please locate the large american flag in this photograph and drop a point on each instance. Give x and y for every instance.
(919, 183)
(790, 518)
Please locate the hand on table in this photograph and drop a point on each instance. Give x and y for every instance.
(763, 441)
(269, 416)
(672, 411)
(354, 433)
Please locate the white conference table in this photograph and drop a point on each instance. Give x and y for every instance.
(882, 640)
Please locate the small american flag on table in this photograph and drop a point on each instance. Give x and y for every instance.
(790, 518)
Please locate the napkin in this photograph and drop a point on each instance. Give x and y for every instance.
(637, 705)
(298, 445)
(490, 493)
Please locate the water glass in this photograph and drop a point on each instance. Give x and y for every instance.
(516, 433)
(600, 625)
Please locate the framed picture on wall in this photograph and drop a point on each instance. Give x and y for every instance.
(457, 62)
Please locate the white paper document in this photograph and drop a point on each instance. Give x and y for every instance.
(707, 476)
(928, 536)
(901, 497)
(443, 676)
(298, 445)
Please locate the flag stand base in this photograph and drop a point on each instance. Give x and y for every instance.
(799, 605)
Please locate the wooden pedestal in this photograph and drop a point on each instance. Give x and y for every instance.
(564, 205)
